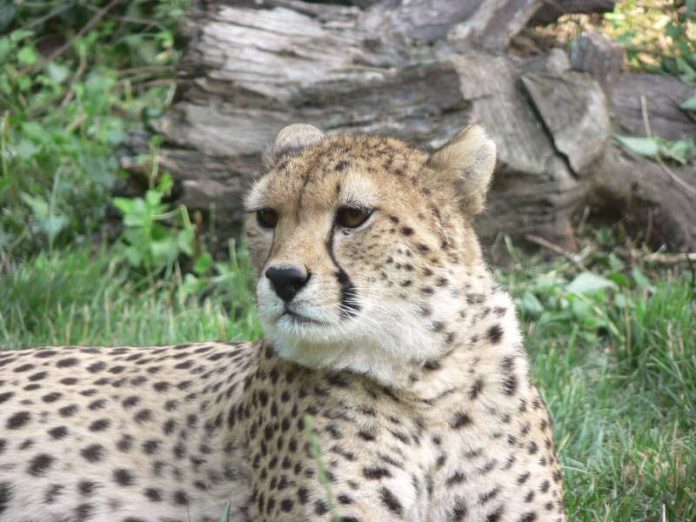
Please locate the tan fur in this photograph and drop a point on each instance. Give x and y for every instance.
(398, 347)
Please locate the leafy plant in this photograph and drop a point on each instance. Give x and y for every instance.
(680, 151)
(154, 236)
(75, 77)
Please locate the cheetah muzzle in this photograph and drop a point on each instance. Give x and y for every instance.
(392, 383)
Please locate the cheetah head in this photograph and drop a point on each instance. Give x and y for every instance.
(362, 245)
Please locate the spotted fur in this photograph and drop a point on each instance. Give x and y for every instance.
(392, 383)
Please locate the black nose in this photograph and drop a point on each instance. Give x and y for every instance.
(287, 281)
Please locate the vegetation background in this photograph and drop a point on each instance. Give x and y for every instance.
(611, 331)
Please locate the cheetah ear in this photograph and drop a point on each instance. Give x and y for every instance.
(290, 140)
(467, 161)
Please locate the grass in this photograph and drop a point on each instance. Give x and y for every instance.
(618, 370)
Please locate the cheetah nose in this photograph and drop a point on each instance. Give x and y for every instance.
(287, 281)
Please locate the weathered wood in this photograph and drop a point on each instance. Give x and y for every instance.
(581, 129)
(494, 23)
(599, 56)
(552, 10)
(251, 68)
(662, 95)
(645, 197)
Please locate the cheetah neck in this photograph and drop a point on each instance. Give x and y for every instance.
(461, 336)
(487, 348)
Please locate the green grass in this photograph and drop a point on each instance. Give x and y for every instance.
(617, 367)
(78, 298)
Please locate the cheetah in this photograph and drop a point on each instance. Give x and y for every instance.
(392, 383)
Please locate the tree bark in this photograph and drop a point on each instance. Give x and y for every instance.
(420, 70)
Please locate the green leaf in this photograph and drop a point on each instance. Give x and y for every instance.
(53, 225)
(6, 47)
(38, 206)
(225, 517)
(166, 183)
(125, 205)
(689, 104)
(26, 150)
(620, 279)
(588, 283)
(648, 147)
(615, 263)
(530, 305)
(203, 264)
(28, 55)
(641, 280)
(57, 72)
(7, 14)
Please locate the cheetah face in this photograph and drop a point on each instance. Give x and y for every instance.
(358, 242)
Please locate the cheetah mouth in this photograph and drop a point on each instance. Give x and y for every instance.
(296, 318)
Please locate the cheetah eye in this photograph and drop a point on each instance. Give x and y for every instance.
(267, 217)
(352, 217)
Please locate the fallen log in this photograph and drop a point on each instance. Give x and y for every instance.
(251, 68)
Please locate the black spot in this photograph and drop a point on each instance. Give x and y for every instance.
(58, 432)
(67, 362)
(475, 389)
(123, 477)
(151, 446)
(6, 396)
(341, 166)
(495, 516)
(389, 499)
(181, 498)
(153, 494)
(143, 416)
(96, 367)
(18, 420)
(367, 435)
(5, 495)
(53, 492)
(100, 425)
(458, 511)
(83, 512)
(344, 499)
(93, 452)
(460, 420)
(456, 478)
(488, 496)
(376, 473)
(161, 386)
(68, 411)
(124, 443)
(528, 517)
(303, 495)
(86, 487)
(286, 505)
(40, 464)
(38, 376)
(98, 404)
(407, 231)
(510, 385)
(495, 334)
